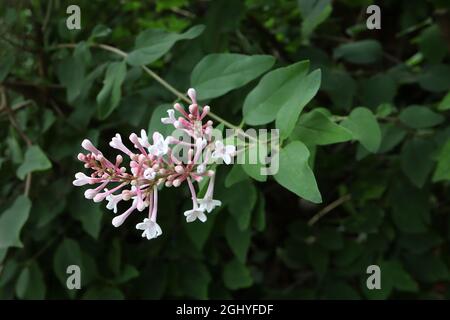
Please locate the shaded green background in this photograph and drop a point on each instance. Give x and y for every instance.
(390, 208)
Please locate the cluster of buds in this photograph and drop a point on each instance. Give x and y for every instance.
(153, 166)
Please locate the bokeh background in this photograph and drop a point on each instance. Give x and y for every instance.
(388, 208)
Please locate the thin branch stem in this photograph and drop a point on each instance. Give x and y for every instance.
(161, 81)
(26, 191)
(328, 208)
(12, 119)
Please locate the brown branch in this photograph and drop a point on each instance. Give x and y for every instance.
(11, 116)
(12, 119)
(328, 208)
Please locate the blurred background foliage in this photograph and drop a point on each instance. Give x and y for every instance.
(384, 192)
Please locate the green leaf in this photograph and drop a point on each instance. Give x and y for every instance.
(364, 127)
(241, 200)
(22, 283)
(259, 217)
(410, 207)
(295, 174)
(393, 276)
(445, 103)
(109, 97)
(236, 275)
(236, 174)
(277, 90)
(318, 258)
(316, 128)
(71, 74)
(381, 88)
(254, 159)
(435, 78)
(428, 268)
(401, 280)
(238, 240)
(153, 44)
(339, 290)
(67, 253)
(115, 256)
(359, 52)
(35, 160)
(12, 221)
(392, 135)
(288, 114)
(30, 284)
(418, 117)
(219, 73)
(200, 232)
(129, 272)
(195, 280)
(340, 86)
(314, 12)
(7, 59)
(442, 171)
(417, 161)
(45, 208)
(100, 31)
(432, 44)
(153, 280)
(420, 243)
(90, 215)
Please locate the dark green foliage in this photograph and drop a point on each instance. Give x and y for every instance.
(364, 165)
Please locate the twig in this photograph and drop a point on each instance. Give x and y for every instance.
(160, 80)
(183, 13)
(12, 119)
(26, 191)
(328, 208)
(47, 15)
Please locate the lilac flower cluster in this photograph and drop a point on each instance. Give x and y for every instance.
(155, 165)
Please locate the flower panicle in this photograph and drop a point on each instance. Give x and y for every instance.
(155, 163)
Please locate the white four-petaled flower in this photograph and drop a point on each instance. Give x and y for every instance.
(208, 203)
(160, 145)
(113, 200)
(171, 119)
(81, 179)
(194, 214)
(151, 229)
(223, 152)
(143, 140)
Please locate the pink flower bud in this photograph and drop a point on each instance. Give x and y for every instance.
(192, 94)
(176, 182)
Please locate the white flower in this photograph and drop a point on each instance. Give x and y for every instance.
(113, 200)
(116, 143)
(81, 179)
(224, 152)
(160, 145)
(151, 229)
(208, 203)
(194, 214)
(143, 140)
(171, 119)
